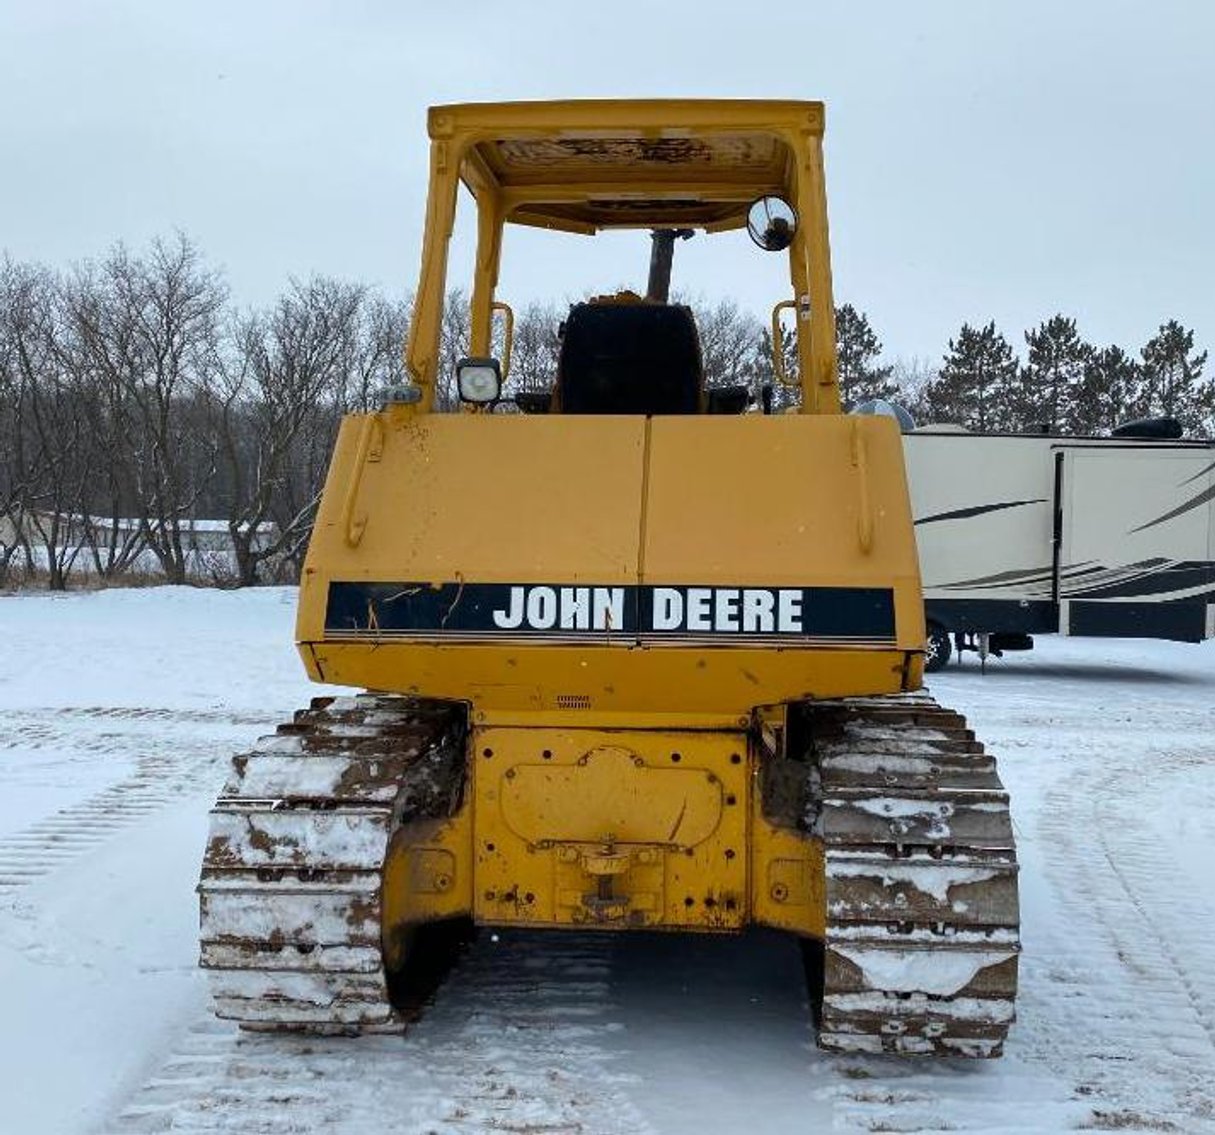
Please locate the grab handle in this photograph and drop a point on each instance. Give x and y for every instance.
(860, 461)
(371, 448)
(778, 344)
(508, 334)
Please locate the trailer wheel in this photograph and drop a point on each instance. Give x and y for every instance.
(938, 650)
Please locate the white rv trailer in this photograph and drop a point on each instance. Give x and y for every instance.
(1021, 535)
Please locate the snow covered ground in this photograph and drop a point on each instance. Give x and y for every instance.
(118, 710)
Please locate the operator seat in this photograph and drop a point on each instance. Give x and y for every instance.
(630, 358)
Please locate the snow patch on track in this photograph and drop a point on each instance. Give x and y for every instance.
(937, 972)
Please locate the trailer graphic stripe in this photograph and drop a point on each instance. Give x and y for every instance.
(1201, 473)
(1158, 579)
(976, 510)
(1086, 573)
(1207, 494)
(1193, 577)
(578, 612)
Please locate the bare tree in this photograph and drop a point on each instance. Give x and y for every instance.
(728, 337)
(376, 360)
(17, 470)
(455, 332)
(49, 429)
(149, 330)
(108, 524)
(289, 369)
(914, 378)
(14, 465)
(535, 349)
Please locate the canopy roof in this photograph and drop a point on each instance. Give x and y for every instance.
(586, 165)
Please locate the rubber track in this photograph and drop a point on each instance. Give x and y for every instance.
(922, 911)
(290, 888)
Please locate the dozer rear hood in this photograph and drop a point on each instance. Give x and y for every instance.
(764, 534)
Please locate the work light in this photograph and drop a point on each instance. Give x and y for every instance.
(479, 380)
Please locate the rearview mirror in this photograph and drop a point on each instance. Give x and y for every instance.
(771, 223)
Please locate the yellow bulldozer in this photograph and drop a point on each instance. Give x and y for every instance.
(638, 656)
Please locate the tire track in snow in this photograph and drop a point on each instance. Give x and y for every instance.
(139, 713)
(520, 1039)
(1147, 872)
(1122, 995)
(1098, 770)
(175, 752)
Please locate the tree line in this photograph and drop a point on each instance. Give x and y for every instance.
(1067, 385)
(137, 398)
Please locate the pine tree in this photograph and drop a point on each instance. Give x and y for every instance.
(858, 349)
(1172, 384)
(761, 374)
(1107, 391)
(976, 386)
(1051, 382)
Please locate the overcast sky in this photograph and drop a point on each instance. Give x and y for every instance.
(984, 160)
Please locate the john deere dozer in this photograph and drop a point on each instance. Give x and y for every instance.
(638, 656)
